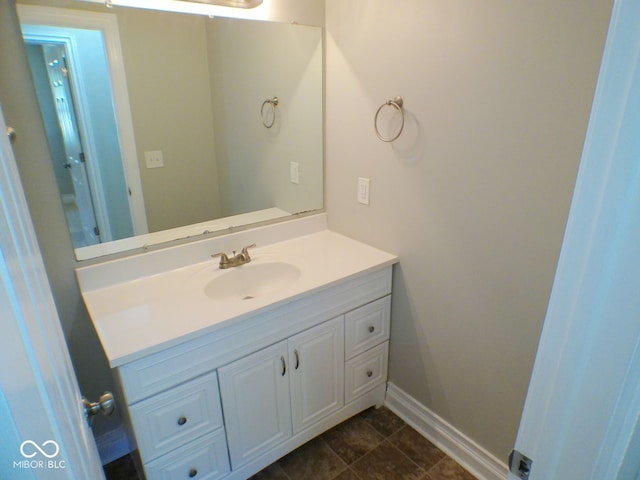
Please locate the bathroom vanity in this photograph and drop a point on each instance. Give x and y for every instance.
(225, 371)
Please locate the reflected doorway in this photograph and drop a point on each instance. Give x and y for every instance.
(73, 81)
(49, 64)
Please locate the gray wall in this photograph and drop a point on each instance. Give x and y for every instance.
(474, 195)
(172, 114)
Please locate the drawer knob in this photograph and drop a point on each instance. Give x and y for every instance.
(369, 373)
(193, 472)
(371, 328)
(182, 420)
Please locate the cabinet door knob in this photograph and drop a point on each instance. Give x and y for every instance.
(297, 355)
(371, 328)
(284, 365)
(369, 373)
(193, 472)
(182, 420)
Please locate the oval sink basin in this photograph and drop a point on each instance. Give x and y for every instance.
(251, 281)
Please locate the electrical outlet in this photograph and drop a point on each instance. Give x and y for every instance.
(153, 159)
(294, 172)
(364, 186)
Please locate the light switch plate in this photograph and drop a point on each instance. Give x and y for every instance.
(153, 159)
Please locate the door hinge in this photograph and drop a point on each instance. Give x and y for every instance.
(82, 159)
(520, 465)
(96, 231)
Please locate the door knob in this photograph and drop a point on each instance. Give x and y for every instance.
(105, 405)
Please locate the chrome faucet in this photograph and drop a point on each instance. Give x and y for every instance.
(235, 260)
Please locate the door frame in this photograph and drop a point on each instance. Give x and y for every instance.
(582, 409)
(107, 24)
(41, 412)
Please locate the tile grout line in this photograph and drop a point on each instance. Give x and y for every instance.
(350, 465)
(385, 438)
(338, 456)
(407, 456)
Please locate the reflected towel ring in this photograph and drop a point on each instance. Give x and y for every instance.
(274, 103)
(396, 103)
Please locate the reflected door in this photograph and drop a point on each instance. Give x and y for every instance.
(78, 203)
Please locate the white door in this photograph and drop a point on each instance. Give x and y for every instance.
(316, 357)
(582, 412)
(256, 403)
(44, 430)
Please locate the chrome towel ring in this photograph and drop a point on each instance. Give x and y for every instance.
(396, 103)
(274, 103)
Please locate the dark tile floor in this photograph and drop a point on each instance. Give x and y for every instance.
(374, 445)
(121, 469)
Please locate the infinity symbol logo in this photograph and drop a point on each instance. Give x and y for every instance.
(35, 445)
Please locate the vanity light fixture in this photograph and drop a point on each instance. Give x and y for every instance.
(212, 8)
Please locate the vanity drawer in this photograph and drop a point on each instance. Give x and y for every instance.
(367, 326)
(203, 459)
(366, 371)
(173, 418)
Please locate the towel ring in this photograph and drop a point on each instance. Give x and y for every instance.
(274, 103)
(396, 103)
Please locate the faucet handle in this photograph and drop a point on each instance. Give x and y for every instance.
(245, 251)
(224, 259)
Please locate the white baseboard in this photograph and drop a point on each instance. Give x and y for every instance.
(454, 443)
(113, 445)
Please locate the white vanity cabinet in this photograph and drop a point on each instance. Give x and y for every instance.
(219, 386)
(279, 391)
(227, 403)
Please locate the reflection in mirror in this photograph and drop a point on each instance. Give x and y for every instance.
(184, 144)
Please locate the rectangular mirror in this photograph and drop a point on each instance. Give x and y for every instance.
(166, 125)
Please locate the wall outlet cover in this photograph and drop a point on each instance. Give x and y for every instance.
(364, 187)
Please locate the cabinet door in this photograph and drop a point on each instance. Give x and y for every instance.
(255, 400)
(316, 357)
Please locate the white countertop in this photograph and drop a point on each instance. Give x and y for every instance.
(140, 316)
